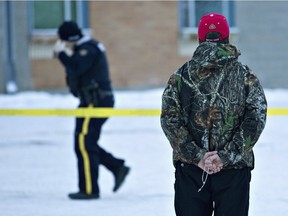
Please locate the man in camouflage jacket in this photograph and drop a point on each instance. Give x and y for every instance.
(213, 112)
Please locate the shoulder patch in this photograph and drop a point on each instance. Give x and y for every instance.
(83, 52)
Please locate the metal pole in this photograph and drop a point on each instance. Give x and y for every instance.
(11, 86)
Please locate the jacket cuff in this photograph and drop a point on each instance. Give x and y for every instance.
(224, 156)
(199, 156)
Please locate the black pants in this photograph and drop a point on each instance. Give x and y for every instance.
(89, 154)
(226, 193)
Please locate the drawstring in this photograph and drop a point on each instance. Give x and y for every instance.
(204, 179)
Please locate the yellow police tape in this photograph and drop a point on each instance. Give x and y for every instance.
(277, 111)
(102, 112)
(80, 112)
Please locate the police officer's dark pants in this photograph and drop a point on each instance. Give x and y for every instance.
(226, 193)
(90, 155)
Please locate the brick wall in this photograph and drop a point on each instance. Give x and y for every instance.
(141, 42)
(48, 74)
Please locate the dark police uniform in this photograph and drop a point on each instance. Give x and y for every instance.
(88, 79)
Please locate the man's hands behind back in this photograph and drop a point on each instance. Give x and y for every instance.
(211, 163)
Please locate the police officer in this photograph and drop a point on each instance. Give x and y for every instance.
(87, 77)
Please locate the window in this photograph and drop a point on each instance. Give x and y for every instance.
(46, 16)
(190, 12)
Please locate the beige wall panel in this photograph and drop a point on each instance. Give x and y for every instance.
(140, 38)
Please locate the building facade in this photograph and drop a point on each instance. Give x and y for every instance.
(145, 40)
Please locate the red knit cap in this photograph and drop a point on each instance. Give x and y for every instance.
(213, 22)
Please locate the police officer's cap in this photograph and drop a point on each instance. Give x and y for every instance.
(69, 31)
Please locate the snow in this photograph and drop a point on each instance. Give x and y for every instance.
(38, 165)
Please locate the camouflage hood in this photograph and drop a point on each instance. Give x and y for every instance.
(213, 102)
(211, 55)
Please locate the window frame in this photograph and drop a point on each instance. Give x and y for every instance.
(82, 14)
(227, 10)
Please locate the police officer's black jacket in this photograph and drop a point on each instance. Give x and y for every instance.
(87, 67)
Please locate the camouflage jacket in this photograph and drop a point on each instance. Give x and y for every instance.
(213, 102)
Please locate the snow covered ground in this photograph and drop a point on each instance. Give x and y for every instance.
(38, 166)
